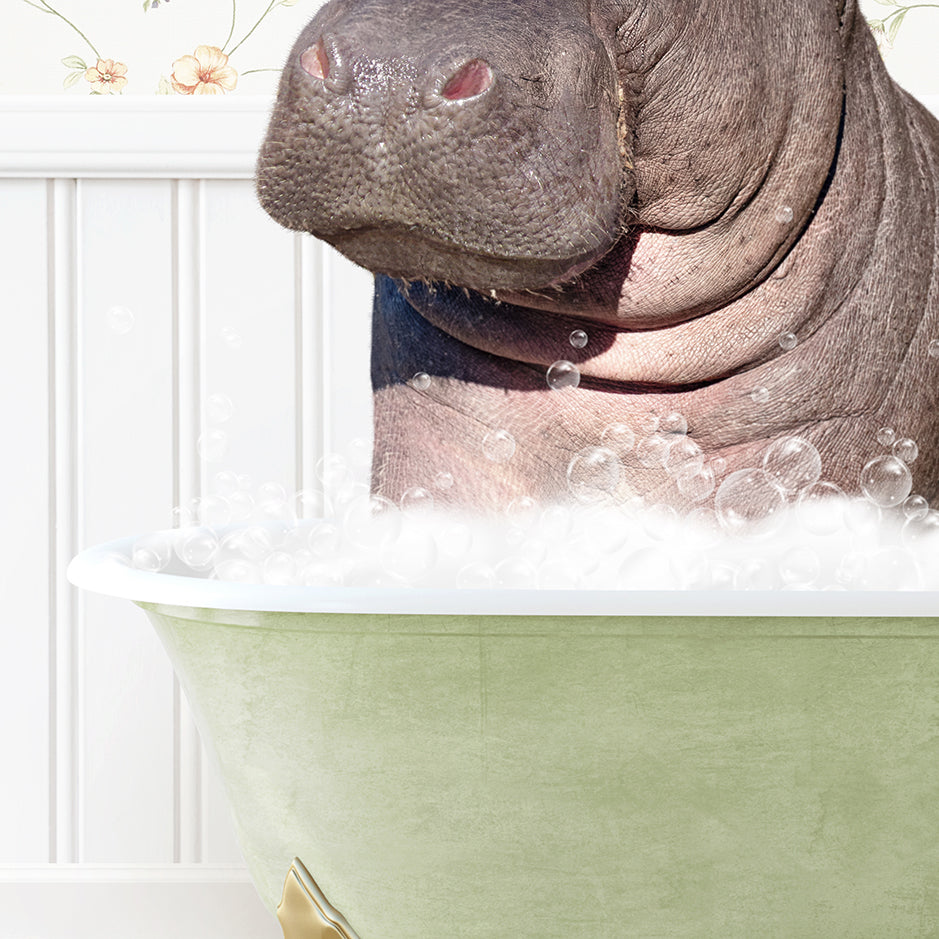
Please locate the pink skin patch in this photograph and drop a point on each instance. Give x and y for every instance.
(315, 62)
(472, 79)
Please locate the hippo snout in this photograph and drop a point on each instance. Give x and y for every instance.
(448, 144)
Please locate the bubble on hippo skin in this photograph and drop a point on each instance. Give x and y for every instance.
(649, 424)
(932, 350)
(886, 436)
(420, 381)
(499, 446)
(121, 320)
(593, 474)
(443, 481)
(748, 503)
(619, 438)
(886, 481)
(784, 214)
(792, 463)
(683, 456)
(906, 450)
(652, 451)
(673, 423)
(787, 341)
(915, 507)
(416, 499)
(562, 375)
(578, 339)
(759, 395)
(697, 484)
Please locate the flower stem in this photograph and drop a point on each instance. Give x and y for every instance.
(251, 71)
(231, 31)
(261, 19)
(48, 9)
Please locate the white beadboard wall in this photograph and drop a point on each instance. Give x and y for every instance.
(112, 822)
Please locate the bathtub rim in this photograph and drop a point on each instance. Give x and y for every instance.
(103, 569)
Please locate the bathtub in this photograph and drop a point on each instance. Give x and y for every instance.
(548, 764)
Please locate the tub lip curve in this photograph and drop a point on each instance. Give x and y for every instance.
(101, 569)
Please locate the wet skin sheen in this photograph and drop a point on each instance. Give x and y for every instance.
(684, 180)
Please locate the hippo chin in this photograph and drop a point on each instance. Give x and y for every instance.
(732, 200)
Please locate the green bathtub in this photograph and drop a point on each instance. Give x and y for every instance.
(609, 765)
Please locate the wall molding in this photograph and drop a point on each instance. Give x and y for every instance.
(163, 137)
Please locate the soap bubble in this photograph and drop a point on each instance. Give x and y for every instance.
(121, 320)
(225, 482)
(915, 507)
(516, 573)
(906, 450)
(218, 408)
(443, 481)
(683, 456)
(755, 574)
(652, 451)
(649, 424)
(784, 214)
(749, 503)
(886, 481)
(278, 568)
(787, 341)
(718, 466)
(660, 522)
(556, 524)
(556, 575)
(182, 516)
(213, 511)
(563, 374)
(238, 570)
(799, 566)
(499, 446)
(673, 423)
(332, 470)
(241, 505)
(889, 568)
(932, 349)
(861, 516)
(886, 436)
(792, 463)
(359, 452)
(523, 513)
(820, 509)
(475, 576)
(420, 381)
(320, 574)
(324, 538)
(593, 474)
(212, 445)
(197, 548)
(649, 569)
(412, 554)
(416, 499)
(619, 438)
(311, 503)
(454, 539)
(371, 521)
(759, 394)
(696, 484)
(151, 552)
(922, 531)
(272, 503)
(232, 338)
(578, 339)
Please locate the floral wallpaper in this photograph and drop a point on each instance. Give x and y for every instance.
(222, 47)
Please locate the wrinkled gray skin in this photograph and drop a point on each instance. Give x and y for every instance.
(522, 168)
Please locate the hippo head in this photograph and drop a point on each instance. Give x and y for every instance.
(445, 142)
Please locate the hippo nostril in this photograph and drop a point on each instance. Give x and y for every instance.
(471, 79)
(315, 61)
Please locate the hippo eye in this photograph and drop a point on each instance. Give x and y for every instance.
(471, 79)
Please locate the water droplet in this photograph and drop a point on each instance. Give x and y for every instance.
(619, 438)
(443, 481)
(760, 395)
(673, 423)
(820, 509)
(212, 445)
(593, 474)
(886, 436)
(499, 446)
(416, 499)
(232, 338)
(932, 349)
(420, 381)
(121, 320)
(218, 408)
(578, 339)
(792, 463)
(653, 450)
(906, 450)
(787, 341)
(151, 552)
(915, 507)
(784, 214)
(563, 374)
(886, 481)
(748, 503)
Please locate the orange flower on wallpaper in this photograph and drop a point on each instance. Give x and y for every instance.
(206, 72)
(107, 77)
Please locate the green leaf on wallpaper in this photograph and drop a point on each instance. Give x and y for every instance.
(288, 3)
(71, 79)
(887, 3)
(164, 87)
(74, 61)
(895, 26)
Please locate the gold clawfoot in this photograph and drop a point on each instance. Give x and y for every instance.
(304, 912)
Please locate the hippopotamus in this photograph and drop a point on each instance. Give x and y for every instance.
(719, 216)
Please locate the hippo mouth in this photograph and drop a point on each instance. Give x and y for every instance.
(411, 254)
